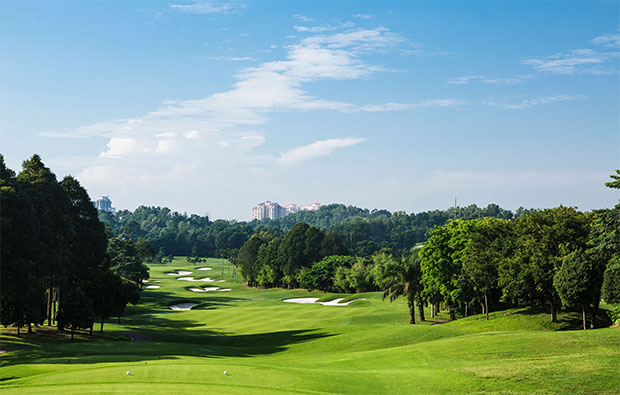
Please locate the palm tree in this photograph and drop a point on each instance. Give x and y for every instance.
(402, 278)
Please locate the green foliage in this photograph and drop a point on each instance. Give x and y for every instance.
(126, 261)
(611, 282)
(321, 275)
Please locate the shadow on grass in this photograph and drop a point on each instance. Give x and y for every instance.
(202, 343)
(567, 320)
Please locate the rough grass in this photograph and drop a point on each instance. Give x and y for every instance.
(268, 346)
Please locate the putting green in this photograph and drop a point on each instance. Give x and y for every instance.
(268, 346)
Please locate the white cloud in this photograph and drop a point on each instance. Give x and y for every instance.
(303, 18)
(608, 39)
(412, 106)
(362, 16)
(488, 80)
(315, 150)
(324, 28)
(533, 102)
(209, 7)
(464, 80)
(118, 147)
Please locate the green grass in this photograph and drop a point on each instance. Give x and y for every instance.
(268, 346)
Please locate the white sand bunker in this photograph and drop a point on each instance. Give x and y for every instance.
(206, 279)
(334, 302)
(209, 289)
(204, 268)
(182, 306)
(178, 273)
(205, 289)
(301, 300)
(152, 286)
(219, 281)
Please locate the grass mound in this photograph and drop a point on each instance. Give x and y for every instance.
(524, 319)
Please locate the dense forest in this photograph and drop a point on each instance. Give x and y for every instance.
(57, 263)
(363, 231)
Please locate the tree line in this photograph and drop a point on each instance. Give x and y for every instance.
(553, 257)
(362, 231)
(57, 264)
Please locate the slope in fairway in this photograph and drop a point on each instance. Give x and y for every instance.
(268, 346)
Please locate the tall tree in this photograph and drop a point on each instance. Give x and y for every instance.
(22, 295)
(51, 205)
(483, 256)
(574, 282)
(544, 237)
(402, 277)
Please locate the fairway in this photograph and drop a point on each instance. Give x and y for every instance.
(268, 346)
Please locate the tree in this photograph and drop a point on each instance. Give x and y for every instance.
(573, 281)
(403, 278)
(126, 260)
(51, 206)
(543, 238)
(246, 259)
(442, 264)
(75, 310)
(22, 296)
(483, 256)
(321, 275)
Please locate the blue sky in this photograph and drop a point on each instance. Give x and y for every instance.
(214, 106)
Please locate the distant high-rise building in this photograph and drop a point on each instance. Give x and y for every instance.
(103, 203)
(273, 210)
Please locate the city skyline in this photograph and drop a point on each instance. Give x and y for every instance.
(208, 106)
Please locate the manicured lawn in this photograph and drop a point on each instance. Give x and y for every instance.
(268, 346)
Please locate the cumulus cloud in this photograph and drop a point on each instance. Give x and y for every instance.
(316, 149)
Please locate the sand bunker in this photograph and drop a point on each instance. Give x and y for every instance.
(152, 286)
(223, 290)
(207, 289)
(206, 279)
(219, 281)
(178, 273)
(301, 300)
(182, 306)
(334, 302)
(204, 268)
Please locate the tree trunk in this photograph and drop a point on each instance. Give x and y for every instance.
(452, 313)
(466, 305)
(421, 309)
(29, 327)
(554, 314)
(583, 316)
(72, 332)
(593, 314)
(90, 332)
(101, 330)
(119, 319)
(18, 330)
(411, 304)
(486, 305)
(49, 302)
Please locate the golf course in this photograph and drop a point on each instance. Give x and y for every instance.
(241, 340)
